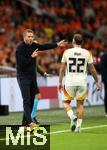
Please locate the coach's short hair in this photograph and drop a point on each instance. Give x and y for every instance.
(78, 39)
(27, 31)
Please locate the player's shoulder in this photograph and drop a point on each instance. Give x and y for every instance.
(86, 51)
(68, 50)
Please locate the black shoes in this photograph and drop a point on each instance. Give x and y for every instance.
(34, 120)
(73, 124)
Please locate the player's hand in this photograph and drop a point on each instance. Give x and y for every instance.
(48, 75)
(60, 87)
(35, 53)
(98, 86)
(62, 43)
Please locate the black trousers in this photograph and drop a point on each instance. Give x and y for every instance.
(29, 89)
(105, 96)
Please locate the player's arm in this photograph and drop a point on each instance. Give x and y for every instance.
(42, 73)
(62, 70)
(61, 74)
(93, 71)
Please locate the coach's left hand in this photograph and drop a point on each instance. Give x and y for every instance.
(62, 43)
(48, 75)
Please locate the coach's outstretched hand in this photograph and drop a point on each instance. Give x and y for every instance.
(62, 43)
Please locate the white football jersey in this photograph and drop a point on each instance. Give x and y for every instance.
(76, 71)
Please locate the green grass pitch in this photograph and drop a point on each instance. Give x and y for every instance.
(92, 138)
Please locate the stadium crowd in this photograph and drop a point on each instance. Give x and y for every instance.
(52, 21)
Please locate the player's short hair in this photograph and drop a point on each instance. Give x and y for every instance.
(78, 39)
(27, 31)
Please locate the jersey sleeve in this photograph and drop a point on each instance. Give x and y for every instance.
(90, 58)
(64, 58)
(40, 71)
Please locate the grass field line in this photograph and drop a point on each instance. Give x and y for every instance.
(85, 128)
(65, 131)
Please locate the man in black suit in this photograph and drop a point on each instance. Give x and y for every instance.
(104, 78)
(26, 53)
